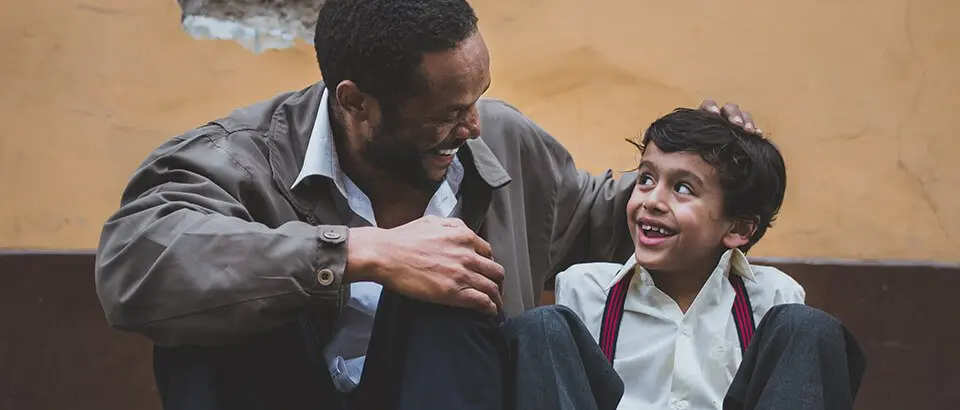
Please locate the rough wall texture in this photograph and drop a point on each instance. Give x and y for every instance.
(258, 25)
(860, 95)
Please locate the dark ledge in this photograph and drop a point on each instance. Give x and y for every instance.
(57, 351)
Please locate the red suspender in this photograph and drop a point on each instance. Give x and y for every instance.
(613, 314)
(742, 312)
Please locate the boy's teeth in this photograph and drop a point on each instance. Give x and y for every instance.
(448, 151)
(654, 229)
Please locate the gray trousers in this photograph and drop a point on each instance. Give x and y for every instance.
(423, 356)
(427, 357)
(800, 359)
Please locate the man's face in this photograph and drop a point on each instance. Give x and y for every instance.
(675, 213)
(417, 140)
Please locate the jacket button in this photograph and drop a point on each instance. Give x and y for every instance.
(325, 277)
(332, 236)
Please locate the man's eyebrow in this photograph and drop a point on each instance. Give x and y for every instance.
(464, 107)
(458, 107)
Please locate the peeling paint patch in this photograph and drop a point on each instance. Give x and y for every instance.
(258, 25)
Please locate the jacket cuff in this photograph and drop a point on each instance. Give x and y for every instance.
(331, 261)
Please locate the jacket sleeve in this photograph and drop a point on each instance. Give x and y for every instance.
(590, 223)
(184, 263)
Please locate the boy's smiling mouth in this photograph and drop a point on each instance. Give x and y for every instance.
(651, 233)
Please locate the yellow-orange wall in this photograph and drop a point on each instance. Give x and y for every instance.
(860, 95)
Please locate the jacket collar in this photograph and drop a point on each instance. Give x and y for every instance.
(291, 126)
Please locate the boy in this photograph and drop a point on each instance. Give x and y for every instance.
(678, 318)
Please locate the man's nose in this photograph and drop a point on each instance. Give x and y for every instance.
(470, 128)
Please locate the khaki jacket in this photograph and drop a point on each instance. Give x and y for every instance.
(211, 246)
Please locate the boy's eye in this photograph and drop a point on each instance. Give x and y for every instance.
(683, 189)
(645, 179)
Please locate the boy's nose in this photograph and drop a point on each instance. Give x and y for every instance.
(653, 202)
(655, 206)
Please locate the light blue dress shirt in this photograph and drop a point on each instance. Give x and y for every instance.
(347, 349)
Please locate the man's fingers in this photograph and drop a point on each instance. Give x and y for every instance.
(748, 124)
(486, 276)
(481, 246)
(489, 288)
(711, 106)
(474, 299)
(488, 268)
(732, 113)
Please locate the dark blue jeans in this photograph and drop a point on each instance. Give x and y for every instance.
(421, 356)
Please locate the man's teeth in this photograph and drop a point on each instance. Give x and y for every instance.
(452, 151)
(655, 229)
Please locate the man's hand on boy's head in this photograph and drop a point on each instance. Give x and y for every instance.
(732, 113)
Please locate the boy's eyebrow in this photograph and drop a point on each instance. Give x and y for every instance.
(683, 173)
(690, 175)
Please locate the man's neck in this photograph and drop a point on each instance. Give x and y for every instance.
(394, 201)
(684, 286)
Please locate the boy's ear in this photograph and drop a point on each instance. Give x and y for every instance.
(739, 233)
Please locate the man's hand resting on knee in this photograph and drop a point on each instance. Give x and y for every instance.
(432, 259)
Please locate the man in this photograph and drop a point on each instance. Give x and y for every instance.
(252, 250)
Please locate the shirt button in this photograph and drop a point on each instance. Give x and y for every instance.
(685, 330)
(325, 277)
(332, 235)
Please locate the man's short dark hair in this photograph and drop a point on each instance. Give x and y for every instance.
(751, 170)
(379, 44)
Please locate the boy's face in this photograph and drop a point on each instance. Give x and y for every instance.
(676, 213)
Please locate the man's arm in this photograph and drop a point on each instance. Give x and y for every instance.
(183, 262)
(590, 221)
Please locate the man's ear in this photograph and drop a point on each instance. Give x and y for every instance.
(356, 104)
(739, 233)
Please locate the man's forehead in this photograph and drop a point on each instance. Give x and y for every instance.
(457, 74)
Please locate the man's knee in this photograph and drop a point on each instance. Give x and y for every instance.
(547, 321)
(417, 316)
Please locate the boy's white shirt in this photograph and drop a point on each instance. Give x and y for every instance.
(668, 359)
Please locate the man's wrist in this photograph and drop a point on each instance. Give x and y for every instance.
(363, 257)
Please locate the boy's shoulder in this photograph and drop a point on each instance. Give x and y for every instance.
(777, 284)
(586, 280)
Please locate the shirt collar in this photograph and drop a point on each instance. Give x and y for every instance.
(733, 261)
(321, 155)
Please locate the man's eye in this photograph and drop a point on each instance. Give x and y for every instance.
(452, 117)
(683, 189)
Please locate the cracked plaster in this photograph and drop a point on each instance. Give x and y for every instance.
(258, 25)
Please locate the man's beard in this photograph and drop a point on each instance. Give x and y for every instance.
(399, 159)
